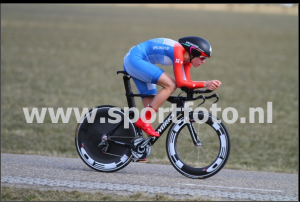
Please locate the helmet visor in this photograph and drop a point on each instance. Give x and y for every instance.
(196, 52)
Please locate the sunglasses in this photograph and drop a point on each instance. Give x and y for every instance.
(202, 58)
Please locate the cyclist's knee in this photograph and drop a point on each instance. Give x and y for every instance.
(167, 82)
(171, 86)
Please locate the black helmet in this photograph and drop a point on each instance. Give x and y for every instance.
(196, 46)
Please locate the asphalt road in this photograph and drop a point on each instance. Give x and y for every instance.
(71, 173)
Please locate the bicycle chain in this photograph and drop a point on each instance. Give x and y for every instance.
(113, 154)
(109, 137)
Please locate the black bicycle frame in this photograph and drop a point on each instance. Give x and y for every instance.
(178, 100)
(168, 120)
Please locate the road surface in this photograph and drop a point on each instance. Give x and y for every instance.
(71, 173)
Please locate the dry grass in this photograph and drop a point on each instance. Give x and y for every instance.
(24, 194)
(67, 56)
(247, 8)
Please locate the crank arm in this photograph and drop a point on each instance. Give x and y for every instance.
(145, 142)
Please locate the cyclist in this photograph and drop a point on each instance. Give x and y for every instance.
(139, 63)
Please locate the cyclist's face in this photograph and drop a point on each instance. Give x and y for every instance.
(197, 61)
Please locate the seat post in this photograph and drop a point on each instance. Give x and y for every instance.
(130, 99)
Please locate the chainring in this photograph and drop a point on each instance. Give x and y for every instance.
(138, 151)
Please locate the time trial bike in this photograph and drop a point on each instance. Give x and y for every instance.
(197, 144)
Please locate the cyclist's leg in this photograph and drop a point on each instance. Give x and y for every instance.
(147, 101)
(145, 76)
(169, 86)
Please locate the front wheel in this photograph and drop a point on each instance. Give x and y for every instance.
(203, 160)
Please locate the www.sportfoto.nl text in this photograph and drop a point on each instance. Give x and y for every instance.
(115, 114)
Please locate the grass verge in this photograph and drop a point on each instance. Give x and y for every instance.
(24, 194)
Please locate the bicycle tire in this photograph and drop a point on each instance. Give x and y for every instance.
(186, 158)
(89, 135)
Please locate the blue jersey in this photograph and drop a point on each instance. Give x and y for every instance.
(140, 62)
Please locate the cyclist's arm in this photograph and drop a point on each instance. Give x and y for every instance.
(182, 72)
(187, 71)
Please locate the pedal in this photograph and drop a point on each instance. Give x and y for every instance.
(134, 160)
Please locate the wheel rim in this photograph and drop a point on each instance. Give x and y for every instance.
(215, 152)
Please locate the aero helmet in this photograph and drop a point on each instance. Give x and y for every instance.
(196, 46)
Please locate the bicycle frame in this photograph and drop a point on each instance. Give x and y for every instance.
(179, 100)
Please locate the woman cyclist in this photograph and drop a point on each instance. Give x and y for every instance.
(139, 63)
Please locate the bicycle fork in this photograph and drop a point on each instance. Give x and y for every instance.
(192, 130)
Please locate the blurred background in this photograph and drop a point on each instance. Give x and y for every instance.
(61, 55)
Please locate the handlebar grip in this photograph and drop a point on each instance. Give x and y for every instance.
(203, 91)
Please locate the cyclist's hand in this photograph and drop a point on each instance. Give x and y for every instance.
(212, 84)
